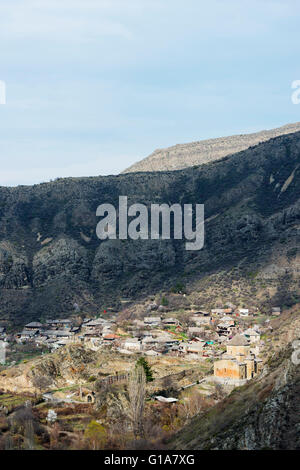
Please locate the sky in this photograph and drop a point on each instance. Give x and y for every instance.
(93, 86)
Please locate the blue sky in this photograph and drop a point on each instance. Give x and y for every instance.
(95, 85)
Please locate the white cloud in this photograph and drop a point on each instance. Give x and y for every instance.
(54, 21)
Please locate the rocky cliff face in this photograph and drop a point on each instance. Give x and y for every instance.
(50, 257)
(196, 153)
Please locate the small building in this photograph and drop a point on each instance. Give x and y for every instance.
(193, 331)
(225, 329)
(182, 348)
(64, 323)
(228, 310)
(57, 333)
(33, 326)
(201, 313)
(26, 335)
(107, 329)
(170, 322)
(75, 329)
(166, 400)
(244, 312)
(195, 348)
(63, 342)
(252, 336)
(222, 311)
(91, 335)
(149, 342)
(87, 395)
(152, 321)
(98, 323)
(201, 320)
(60, 323)
(218, 311)
(170, 343)
(276, 311)
(132, 344)
(110, 338)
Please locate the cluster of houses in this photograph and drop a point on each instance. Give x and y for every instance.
(219, 334)
(60, 332)
(52, 333)
(204, 335)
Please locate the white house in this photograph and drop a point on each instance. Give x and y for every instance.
(244, 312)
(132, 344)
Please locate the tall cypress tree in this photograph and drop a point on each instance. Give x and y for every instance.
(148, 371)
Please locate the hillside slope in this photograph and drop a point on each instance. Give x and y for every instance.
(264, 414)
(182, 156)
(50, 257)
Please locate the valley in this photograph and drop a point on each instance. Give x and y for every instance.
(128, 344)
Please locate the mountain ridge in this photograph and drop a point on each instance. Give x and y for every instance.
(50, 257)
(181, 156)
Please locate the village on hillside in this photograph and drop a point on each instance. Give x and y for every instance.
(229, 337)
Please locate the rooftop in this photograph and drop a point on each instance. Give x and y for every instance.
(34, 324)
(238, 340)
(251, 332)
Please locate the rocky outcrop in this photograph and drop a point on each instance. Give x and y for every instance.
(13, 267)
(72, 364)
(118, 258)
(67, 365)
(196, 153)
(60, 257)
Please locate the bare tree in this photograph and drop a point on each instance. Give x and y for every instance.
(137, 391)
(192, 406)
(8, 443)
(54, 436)
(41, 382)
(29, 443)
(168, 382)
(219, 392)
